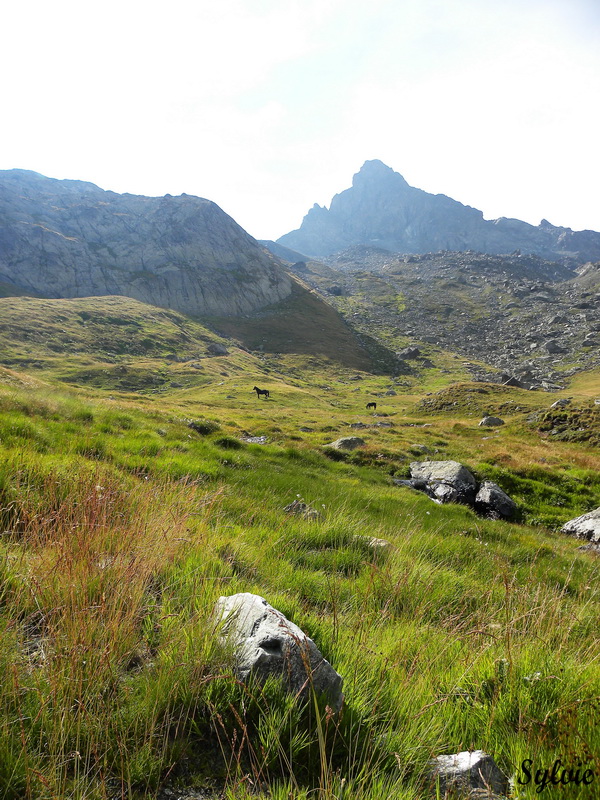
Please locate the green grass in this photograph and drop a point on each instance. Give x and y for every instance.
(124, 515)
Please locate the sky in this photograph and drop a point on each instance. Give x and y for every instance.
(269, 106)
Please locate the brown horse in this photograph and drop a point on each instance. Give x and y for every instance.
(258, 391)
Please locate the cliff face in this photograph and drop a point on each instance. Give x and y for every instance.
(72, 239)
(382, 210)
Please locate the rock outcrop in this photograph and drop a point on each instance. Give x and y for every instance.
(381, 209)
(451, 482)
(72, 239)
(266, 643)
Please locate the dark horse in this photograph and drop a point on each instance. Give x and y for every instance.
(372, 405)
(258, 391)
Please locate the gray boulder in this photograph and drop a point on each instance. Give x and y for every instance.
(347, 443)
(468, 774)
(491, 422)
(266, 643)
(492, 502)
(585, 527)
(409, 353)
(217, 349)
(448, 480)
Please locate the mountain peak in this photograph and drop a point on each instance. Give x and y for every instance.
(376, 171)
(381, 209)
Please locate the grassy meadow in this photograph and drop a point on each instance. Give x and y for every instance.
(130, 501)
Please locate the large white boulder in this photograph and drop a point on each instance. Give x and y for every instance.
(266, 643)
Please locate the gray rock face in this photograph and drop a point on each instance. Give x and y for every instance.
(72, 239)
(449, 480)
(267, 643)
(492, 502)
(491, 422)
(585, 527)
(381, 209)
(462, 773)
(347, 443)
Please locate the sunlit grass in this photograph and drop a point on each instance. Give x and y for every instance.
(122, 523)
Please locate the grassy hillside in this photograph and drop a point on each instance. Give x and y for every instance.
(302, 324)
(126, 513)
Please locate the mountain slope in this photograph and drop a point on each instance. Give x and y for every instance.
(72, 239)
(381, 209)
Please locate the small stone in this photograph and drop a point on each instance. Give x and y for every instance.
(301, 509)
(347, 443)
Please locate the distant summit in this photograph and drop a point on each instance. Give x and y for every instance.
(383, 210)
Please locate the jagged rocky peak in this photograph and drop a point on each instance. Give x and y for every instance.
(377, 171)
(73, 239)
(381, 209)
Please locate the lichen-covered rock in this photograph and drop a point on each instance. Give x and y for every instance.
(464, 773)
(266, 643)
(491, 501)
(587, 526)
(448, 480)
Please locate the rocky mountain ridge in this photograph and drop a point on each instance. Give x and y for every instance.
(73, 239)
(381, 209)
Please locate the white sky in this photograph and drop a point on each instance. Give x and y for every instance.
(268, 106)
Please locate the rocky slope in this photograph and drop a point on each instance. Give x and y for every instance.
(72, 239)
(382, 210)
(516, 314)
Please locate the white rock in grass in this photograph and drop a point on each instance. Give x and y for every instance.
(266, 643)
(468, 771)
(585, 527)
